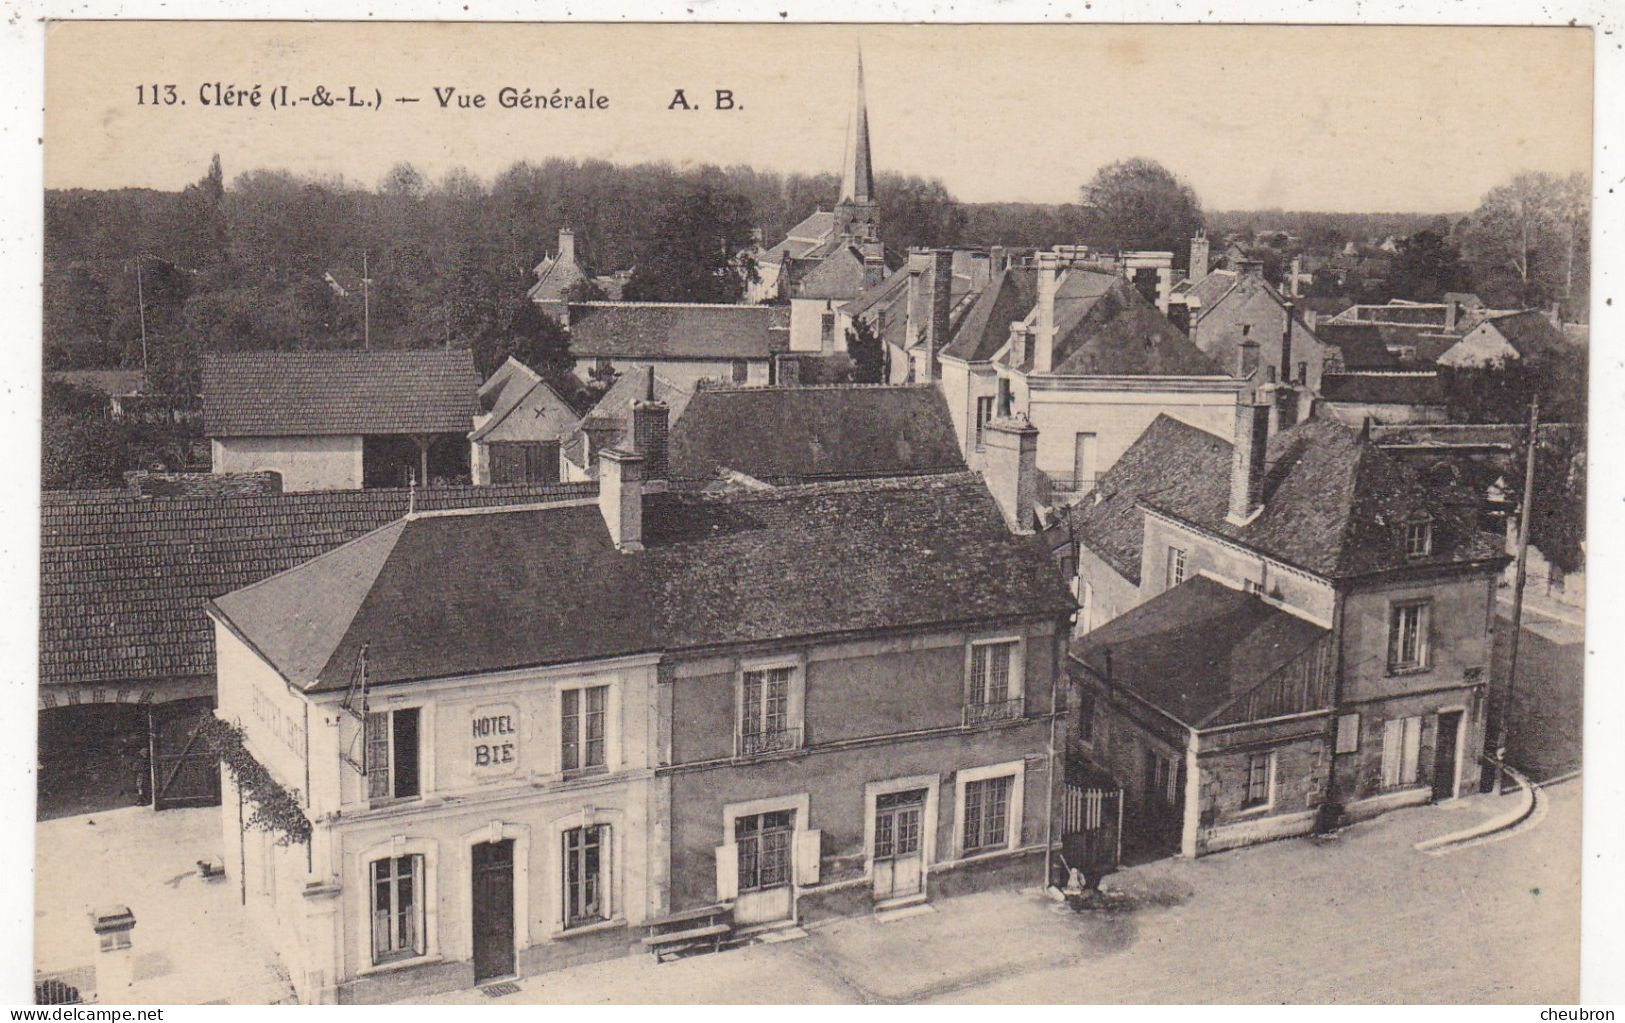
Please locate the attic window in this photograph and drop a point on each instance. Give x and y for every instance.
(1419, 538)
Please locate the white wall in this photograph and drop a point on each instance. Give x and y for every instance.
(806, 325)
(306, 463)
(1117, 417)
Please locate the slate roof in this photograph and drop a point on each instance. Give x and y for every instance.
(985, 326)
(1363, 345)
(676, 330)
(1382, 388)
(555, 277)
(1192, 650)
(1531, 333)
(527, 587)
(123, 579)
(306, 394)
(838, 275)
(1105, 327)
(840, 432)
(803, 239)
(1207, 291)
(1334, 504)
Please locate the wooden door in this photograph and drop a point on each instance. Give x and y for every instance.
(185, 771)
(1445, 747)
(899, 862)
(493, 910)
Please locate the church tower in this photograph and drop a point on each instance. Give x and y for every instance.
(857, 215)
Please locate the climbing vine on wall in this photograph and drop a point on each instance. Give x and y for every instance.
(276, 808)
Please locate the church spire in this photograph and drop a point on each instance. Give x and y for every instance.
(857, 176)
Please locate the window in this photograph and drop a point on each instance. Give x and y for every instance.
(1419, 538)
(764, 720)
(397, 908)
(984, 414)
(826, 327)
(585, 850)
(1408, 637)
(987, 814)
(581, 728)
(1303, 372)
(1260, 773)
(392, 754)
(1086, 617)
(1348, 733)
(1401, 746)
(764, 849)
(1176, 566)
(1159, 778)
(1252, 586)
(1086, 715)
(993, 691)
(741, 371)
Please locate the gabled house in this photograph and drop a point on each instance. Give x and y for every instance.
(684, 342)
(1309, 637)
(912, 312)
(341, 420)
(855, 431)
(646, 703)
(1227, 308)
(1507, 337)
(608, 424)
(520, 426)
(1090, 363)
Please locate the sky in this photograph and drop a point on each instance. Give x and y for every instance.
(1356, 119)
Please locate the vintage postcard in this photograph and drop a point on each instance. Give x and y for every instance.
(682, 513)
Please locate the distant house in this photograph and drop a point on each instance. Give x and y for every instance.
(1415, 333)
(1393, 396)
(517, 432)
(1309, 635)
(817, 434)
(1090, 363)
(683, 342)
(608, 424)
(1508, 337)
(564, 277)
(127, 393)
(126, 651)
(1227, 308)
(913, 311)
(340, 420)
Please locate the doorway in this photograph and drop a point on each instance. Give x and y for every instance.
(899, 859)
(766, 892)
(1446, 750)
(493, 910)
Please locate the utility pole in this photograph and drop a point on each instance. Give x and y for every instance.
(366, 304)
(1525, 518)
(141, 310)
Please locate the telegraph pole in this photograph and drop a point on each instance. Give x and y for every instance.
(1525, 517)
(141, 310)
(366, 304)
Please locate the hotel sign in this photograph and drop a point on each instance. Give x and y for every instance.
(494, 740)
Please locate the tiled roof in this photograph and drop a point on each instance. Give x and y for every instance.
(1382, 388)
(838, 275)
(802, 239)
(1334, 504)
(675, 330)
(305, 394)
(817, 433)
(1105, 327)
(717, 569)
(515, 386)
(985, 326)
(1531, 333)
(123, 579)
(555, 277)
(1207, 291)
(1363, 345)
(1192, 650)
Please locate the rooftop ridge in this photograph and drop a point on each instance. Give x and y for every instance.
(872, 484)
(606, 304)
(779, 388)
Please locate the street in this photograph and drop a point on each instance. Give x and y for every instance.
(1548, 721)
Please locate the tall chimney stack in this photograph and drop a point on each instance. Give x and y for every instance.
(1247, 462)
(1011, 470)
(1286, 345)
(567, 245)
(1199, 256)
(936, 329)
(651, 424)
(1044, 329)
(620, 497)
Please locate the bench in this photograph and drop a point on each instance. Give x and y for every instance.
(690, 930)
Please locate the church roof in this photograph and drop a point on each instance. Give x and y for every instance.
(857, 172)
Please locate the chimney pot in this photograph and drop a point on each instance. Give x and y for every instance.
(620, 497)
(1044, 330)
(1011, 470)
(567, 245)
(1199, 256)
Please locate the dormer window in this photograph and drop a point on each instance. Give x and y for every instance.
(1419, 538)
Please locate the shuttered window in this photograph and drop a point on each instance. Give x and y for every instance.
(393, 754)
(1401, 749)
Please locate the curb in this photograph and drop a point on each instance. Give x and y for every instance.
(1529, 801)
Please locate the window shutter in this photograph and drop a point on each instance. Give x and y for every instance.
(1348, 733)
(727, 872)
(809, 848)
(1393, 738)
(1413, 746)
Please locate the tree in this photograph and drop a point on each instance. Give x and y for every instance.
(689, 251)
(532, 337)
(1426, 267)
(1140, 204)
(1528, 242)
(868, 353)
(1558, 528)
(915, 212)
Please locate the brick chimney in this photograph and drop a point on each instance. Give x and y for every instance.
(1452, 312)
(651, 423)
(1011, 470)
(936, 328)
(620, 497)
(1044, 329)
(1286, 345)
(1199, 256)
(1247, 462)
(874, 268)
(567, 245)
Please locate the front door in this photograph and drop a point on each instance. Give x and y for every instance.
(899, 867)
(1445, 768)
(493, 910)
(185, 770)
(766, 892)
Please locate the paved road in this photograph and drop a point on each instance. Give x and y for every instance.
(1358, 918)
(1548, 723)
